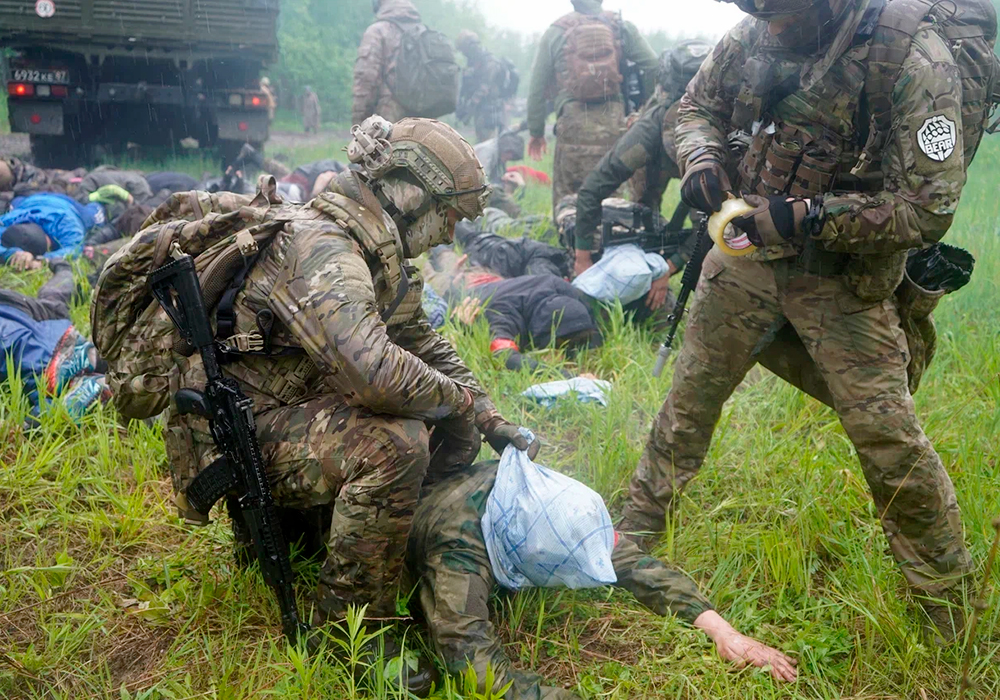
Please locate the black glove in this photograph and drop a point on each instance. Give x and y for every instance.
(705, 185)
(500, 433)
(779, 219)
(515, 361)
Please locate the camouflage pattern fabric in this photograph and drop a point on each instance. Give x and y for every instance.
(344, 402)
(861, 352)
(584, 133)
(549, 63)
(370, 467)
(27, 180)
(480, 98)
(835, 293)
(375, 66)
(647, 148)
(447, 558)
(914, 201)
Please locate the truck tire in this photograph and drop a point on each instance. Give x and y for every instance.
(63, 152)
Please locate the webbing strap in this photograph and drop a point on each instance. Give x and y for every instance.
(890, 45)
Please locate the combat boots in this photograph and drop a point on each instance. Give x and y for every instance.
(947, 621)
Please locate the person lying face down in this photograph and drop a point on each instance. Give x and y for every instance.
(448, 562)
(45, 226)
(527, 312)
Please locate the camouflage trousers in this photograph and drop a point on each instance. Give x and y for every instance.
(584, 133)
(489, 121)
(370, 467)
(448, 558)
(861, 354)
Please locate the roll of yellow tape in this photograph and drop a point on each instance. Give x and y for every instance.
(736, 246)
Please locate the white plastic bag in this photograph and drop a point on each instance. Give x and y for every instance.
(623, 273)
(543, 528)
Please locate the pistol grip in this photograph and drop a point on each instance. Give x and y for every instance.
(192, 401)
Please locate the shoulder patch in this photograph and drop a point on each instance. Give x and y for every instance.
(937, 137)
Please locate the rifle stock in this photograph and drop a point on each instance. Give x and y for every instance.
(230, 415)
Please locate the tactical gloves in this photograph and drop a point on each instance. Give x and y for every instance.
(705, 184)
(500, 432)
(780, 219)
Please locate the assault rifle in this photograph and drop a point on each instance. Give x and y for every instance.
(641, 226)
(230, 415)
(689, 280)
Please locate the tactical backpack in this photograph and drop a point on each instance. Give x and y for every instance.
(225, 233)
(969, 27)
(510, 79)
(427, 73)
(592, 55)
(680, 64)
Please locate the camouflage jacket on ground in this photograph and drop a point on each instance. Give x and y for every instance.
(375, 67)
(820, 120)
(447, 534)
(646, 148)
(549, 59)
(31, 180)
(481, 84)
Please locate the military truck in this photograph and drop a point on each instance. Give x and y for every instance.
(86, 77)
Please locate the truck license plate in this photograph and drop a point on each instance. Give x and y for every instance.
(30, 75)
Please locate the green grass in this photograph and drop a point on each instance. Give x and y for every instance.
(104, 594)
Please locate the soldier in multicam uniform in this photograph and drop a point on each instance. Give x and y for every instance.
(480, 99)
(646, 154)
(352, 379)
(375, 66)
(447, 559)
(831, 249)
(589, 120)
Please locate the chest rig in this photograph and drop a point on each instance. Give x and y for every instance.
(803, 142)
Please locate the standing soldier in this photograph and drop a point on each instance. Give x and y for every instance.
(312, 112)
(485, 82)
(646, 153)
(272, 104)
(580, 63)
(833, 222)
(375, 67)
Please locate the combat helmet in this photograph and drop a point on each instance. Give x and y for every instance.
(816, 20)
(467, 42)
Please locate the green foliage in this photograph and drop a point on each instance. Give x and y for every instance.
(103, 593)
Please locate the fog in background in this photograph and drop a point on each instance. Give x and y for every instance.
(677, 18)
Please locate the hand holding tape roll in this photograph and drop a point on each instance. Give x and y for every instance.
(736, 242)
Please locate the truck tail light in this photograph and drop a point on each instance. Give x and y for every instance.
(43, 90)
(20, 89)
(60, 91)
(236, 100)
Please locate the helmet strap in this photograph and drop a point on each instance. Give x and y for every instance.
(402, 221)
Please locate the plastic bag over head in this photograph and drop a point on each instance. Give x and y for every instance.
(543, 528)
